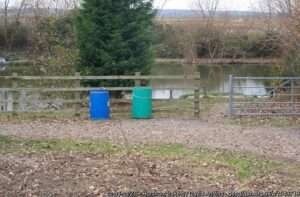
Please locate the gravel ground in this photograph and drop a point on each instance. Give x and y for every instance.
(269, 141)
(93, 175)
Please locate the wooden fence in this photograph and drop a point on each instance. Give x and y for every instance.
(13, 97)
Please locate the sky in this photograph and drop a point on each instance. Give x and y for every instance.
(242, 5)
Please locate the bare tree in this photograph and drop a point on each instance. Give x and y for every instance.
(285, 6)
(285, 18)
(208, 8)
(209, 32)
(20, 8)
(5, 11)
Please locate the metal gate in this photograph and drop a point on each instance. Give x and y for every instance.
(264, 96)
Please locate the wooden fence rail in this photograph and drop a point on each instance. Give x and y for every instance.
(15, 98)
(133, 77)
(87, 89)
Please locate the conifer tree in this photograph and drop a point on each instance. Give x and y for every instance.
(114, 36)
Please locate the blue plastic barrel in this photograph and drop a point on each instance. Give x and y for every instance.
(99, 105)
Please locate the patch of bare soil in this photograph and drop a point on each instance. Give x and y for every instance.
(65, 174)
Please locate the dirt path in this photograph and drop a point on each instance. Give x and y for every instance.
(274, 142)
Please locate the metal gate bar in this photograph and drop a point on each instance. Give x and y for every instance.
(264, 96)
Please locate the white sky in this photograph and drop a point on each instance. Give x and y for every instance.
(243, 5)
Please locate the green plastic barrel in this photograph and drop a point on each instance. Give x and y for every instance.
(142, 103)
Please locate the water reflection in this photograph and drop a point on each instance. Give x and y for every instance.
(167, 94)
(216, 79)
(255, 88)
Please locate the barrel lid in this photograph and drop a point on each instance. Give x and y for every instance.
(143, 88)
(99, 91)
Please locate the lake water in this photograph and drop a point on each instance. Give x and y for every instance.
(215, 77)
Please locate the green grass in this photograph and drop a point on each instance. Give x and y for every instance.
(248, 166)
(12, 116)
(244, 165)
(165, 150)
(10, 145)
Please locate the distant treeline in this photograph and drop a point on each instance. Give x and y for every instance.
(185, 14)
(180, 42)
(45, 35)
(48, 41)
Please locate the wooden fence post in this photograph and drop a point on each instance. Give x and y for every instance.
(205, 94)
(292, 91)
(77, 95)
(3, 101)
(171, 94)
(22, 101)
(137, 82)
(197, 103)
(197, 96)
(9, 102)
(231, 95)
(14, 95)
